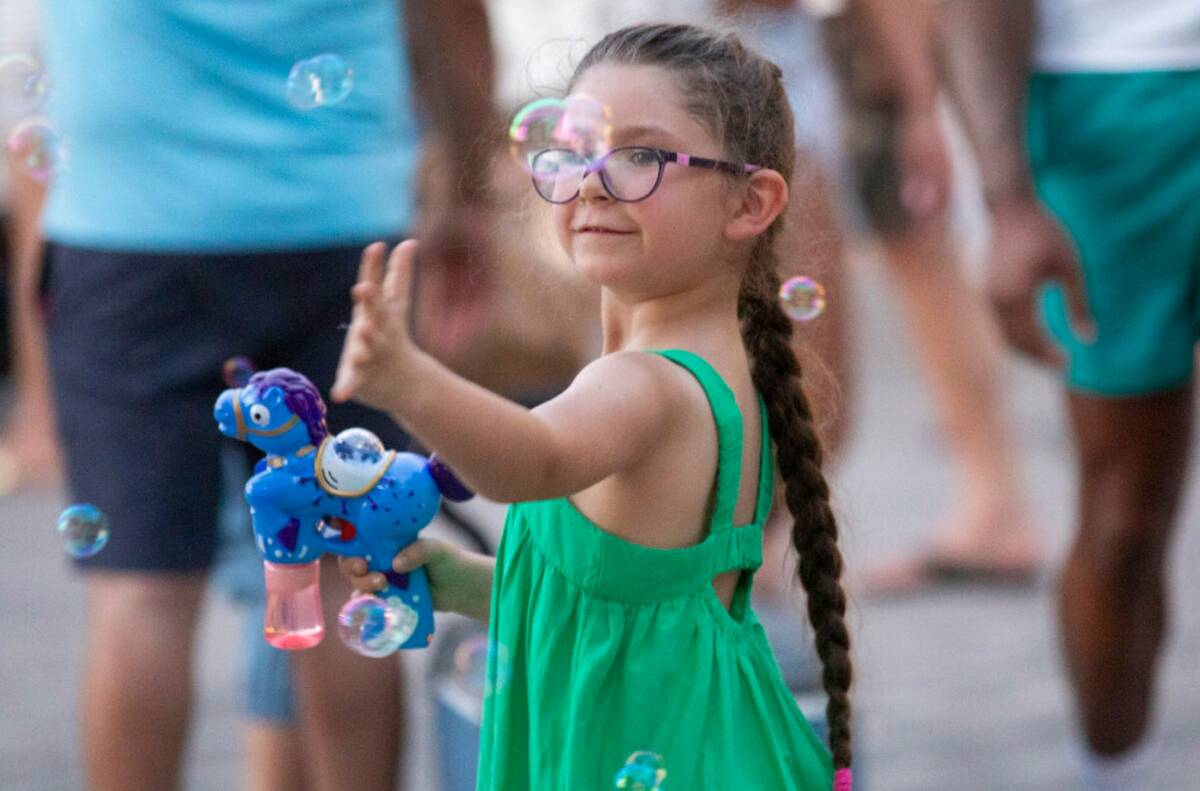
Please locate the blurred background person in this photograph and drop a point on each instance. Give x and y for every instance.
(28, 450)
(896, 142)
(1084, 116)
(203, 216)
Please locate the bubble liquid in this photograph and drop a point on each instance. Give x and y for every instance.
(24, 86)
(802, 298)
(36, 147)
(372, 627)
(319, 81)
(293, 618)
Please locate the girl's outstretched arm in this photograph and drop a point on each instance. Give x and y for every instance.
(611, 417)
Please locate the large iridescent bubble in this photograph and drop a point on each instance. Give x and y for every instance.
(370, 626)
(579, 123)
(319, 81)
(84, 530)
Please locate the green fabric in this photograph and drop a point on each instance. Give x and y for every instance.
(605, 647)
(1115, 158)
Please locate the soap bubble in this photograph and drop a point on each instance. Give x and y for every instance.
(24, 85)
(643, 771)
(586, 125)
(352, 461)
(237, 371)
(319, 81)
(579, 123)
(803, 298)
(37, 148)
(471, 666)
(84, 529)
(372, 627)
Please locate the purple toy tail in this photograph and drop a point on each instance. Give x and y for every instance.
(449, 484)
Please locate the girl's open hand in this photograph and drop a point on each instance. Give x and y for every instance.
(379, 352)
(459, 581)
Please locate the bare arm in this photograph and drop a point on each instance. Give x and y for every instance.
(987, 49)
(611, 417)
(452, 61)
(903, 30)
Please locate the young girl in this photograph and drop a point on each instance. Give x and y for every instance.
(619, 596)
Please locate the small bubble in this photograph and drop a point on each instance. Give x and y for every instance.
(643, 771)
(24, 86)
(482, 667)
(84, 529)
(237, 371)
(319, 81)
(37, 149)
(803, 298)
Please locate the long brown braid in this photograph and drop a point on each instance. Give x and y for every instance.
(739, 96)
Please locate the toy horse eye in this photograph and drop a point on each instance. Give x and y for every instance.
(260, 415)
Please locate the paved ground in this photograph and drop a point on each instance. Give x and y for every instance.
(956, 691)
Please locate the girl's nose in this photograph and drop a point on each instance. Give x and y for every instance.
(592, 187)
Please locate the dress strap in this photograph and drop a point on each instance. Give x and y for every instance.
(728, 418)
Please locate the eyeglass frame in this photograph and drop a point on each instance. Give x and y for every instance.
(664, 156)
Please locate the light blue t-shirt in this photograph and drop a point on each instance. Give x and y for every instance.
(180, 136)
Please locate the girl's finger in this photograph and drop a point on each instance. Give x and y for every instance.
(352, 567)
(412, 556)
(370, 269)
(398, 281)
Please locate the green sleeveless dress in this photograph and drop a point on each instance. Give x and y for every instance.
(602, 648)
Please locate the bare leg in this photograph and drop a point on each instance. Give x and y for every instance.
(812, 245)
(137, 680)
(28, 450)
(349, 706)
(962, 354)
(272, 758)
(1112, 599)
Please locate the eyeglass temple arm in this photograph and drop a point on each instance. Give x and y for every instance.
(712, 164)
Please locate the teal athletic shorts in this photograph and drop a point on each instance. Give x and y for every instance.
(1116, 157)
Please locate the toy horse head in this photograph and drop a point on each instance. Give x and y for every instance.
(278, 411)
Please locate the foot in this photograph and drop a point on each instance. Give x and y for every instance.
(978, 552)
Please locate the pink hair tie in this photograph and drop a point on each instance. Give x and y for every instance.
(843, 780)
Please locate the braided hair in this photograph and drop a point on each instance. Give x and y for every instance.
(738, 95)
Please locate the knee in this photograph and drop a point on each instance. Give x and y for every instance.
(144, 601)
(1123, 532)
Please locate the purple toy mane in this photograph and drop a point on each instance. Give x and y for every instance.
(299, 395)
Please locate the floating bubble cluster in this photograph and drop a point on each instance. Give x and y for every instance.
(643, 771)
(319, 81)
(803, 298)
(84, 529)
(579, 123)
(370, 626)
(24, 86)
(237, 371)
(37, 149)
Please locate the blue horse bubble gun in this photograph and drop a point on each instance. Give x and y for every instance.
(314, 494)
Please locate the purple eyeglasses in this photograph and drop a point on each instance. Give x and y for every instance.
(629, 173)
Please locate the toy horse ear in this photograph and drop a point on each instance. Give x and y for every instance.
(447, 482)
(273, 396)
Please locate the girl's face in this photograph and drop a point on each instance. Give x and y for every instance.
(675, 237)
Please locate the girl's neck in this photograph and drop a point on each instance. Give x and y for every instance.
(696, 318)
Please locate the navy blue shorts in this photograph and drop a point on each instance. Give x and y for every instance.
(137, 342)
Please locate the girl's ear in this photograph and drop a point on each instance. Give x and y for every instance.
(764, 198)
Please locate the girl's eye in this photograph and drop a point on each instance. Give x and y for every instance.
(260, 415)
(643, 157)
